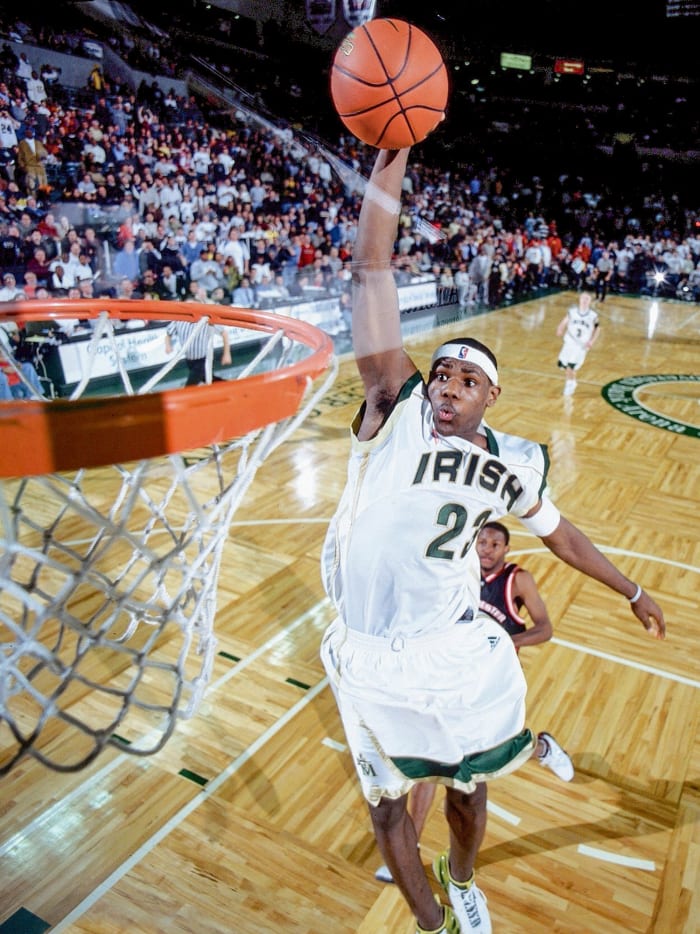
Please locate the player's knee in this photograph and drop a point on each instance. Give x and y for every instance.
(388, 813)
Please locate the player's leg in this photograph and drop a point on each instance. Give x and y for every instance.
(197, 372)
(466, 816)
(420, 801)
(396, 838)
(454, 869)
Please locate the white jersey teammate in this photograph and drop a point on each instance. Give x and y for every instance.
(580, 328)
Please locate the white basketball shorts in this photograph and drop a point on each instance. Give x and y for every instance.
(447, 707)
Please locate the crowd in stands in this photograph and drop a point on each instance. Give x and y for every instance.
(144, 193)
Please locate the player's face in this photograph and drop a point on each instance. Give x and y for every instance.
(459, 394)
(492, 549)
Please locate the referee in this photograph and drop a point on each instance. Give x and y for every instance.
(197, 351)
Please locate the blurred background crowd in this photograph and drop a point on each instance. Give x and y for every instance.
(194, 155)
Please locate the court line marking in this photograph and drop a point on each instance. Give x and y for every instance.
(206, 792)
(595, 853)
(680, 679)
(611, 549)
(616, 659)
(502, 813)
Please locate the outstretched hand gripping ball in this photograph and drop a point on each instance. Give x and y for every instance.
(389, 84)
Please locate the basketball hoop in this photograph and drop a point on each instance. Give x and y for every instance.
(113, 515)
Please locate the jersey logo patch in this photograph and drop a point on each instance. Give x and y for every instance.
(493, 641)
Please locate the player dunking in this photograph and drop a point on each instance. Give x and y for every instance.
(427, 688)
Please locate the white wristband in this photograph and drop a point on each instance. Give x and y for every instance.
(390, 204)
(637, 594)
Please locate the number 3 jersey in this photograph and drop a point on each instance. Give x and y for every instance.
(399, 556)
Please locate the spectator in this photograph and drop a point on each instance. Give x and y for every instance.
(24, 69)
(60, 281)
(36, 92)
(10, 246)
(94, 249)
(96, 82)
(244, 294)
(126, 288)
(50, 74)
(19, 379)
(192, 247)
(206, 271)
(126, 262)
(10, 292)
(147, 286)
(31, 283)
(86, 287)
(31, 159)
(39, 265)
(237, 249)
(8, 140)
(149, 257)
(82, 272)
(172, 284)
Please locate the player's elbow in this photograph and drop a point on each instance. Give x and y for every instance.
(546, 631)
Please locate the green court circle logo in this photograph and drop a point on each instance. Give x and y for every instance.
(622, 395)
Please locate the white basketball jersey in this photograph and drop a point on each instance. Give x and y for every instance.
(399, 555)
(580, 327)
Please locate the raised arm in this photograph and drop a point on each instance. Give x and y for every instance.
(376, 329)
(570, 545)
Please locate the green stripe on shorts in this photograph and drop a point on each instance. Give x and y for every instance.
(480, 766)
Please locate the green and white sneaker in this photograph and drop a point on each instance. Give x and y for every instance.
(450, 925)
(466, 898)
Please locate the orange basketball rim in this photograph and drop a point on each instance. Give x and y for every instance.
(39, 437)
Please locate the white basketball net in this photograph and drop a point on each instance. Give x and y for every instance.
(108, 599)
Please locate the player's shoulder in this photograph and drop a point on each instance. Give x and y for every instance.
(523, 585)
(515, 448)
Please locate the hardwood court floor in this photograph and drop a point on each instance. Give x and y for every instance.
(250, 820)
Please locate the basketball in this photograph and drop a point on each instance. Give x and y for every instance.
(389, 84)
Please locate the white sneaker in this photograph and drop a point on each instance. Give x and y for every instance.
(555, 758)
(569, 387)
(466, 898)
(383, 874)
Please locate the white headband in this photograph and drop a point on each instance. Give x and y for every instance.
(465, 352)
